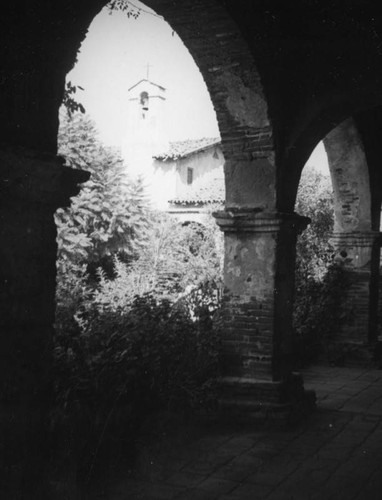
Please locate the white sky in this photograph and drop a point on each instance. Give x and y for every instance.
(319, 159)
(114, 56)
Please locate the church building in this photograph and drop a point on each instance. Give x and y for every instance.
(180, 177)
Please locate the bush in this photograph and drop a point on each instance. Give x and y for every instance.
(177, 262)
(151, 342)
(121, 365)
(318, 314)
(320, 283)
(136, 296)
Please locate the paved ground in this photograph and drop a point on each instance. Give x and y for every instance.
(335, 454)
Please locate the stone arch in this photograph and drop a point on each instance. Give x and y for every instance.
(350, 178)
(354, 237)
(313, 127)
(233, 81)
(259, 241)
(33, 80)
(356, 243)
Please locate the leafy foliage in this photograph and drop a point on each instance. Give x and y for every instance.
(137, 335)
(107, 217)
(109, 214)
(122, 365)
(181, 255)
(174, 261)
(152, 350)
(69, 102)
(320, 283)
(314, 200)
(318, 314)
(125, 6)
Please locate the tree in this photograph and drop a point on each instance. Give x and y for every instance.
(315, 200)
(109, 215)
(176, 261)
(320, 283)
(130, 9)
(69, 102)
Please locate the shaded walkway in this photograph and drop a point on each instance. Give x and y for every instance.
(335, 454)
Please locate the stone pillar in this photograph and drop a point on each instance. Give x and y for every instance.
(358, 253)
(257, 359)
(32, 188)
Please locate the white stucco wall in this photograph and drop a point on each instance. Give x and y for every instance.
(201, 163)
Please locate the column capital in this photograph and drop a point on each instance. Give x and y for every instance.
(26, 177)
(354, 249)
(258, 221)
(355, 238)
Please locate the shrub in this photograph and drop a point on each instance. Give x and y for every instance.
(320, 283)
(178, 262)
(121, 365)
(136, 296)
(318, 313)
(314, 200)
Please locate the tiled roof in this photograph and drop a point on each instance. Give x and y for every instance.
(181, 149)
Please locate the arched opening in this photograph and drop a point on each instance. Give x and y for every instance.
(355, 235)
(163, 260)
(348, 295)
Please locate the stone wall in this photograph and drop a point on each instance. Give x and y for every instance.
(32, 188)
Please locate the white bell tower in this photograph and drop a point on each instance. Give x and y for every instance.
(146, 134)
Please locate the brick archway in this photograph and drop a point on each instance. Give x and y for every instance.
(259, 240)
(355, 241)
(355, 238)
(350, 177)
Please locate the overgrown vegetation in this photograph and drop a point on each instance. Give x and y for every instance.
(137, 293)
(122, 366)
(138, 297)
(320, 282)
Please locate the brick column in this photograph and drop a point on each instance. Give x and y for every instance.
(358, 253)
(32, 189)
(257, 378)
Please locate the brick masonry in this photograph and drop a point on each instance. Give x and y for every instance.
(257, 306)
(354, 251)
(350, 178)
(354, 239)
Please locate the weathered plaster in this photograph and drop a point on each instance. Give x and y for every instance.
(246, 106)
(249, 266)
(350, 178)
(251, 184)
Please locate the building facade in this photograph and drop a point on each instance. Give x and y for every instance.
(195, 177)
(170, 171)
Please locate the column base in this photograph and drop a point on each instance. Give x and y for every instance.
(260, 401)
